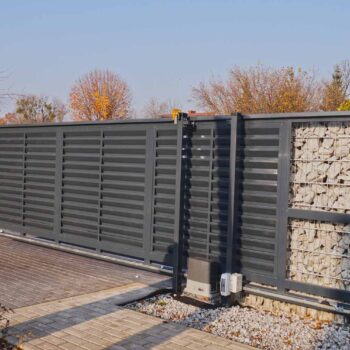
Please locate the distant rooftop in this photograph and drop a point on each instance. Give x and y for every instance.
(192, 114)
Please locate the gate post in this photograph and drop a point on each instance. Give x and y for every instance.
(149, 192)
(282, 202)
(179, 207)
(58, 185)
(232, 205)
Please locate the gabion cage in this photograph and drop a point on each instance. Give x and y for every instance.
(319, 253)
(320, 166)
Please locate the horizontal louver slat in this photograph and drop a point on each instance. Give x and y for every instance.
(257, 193)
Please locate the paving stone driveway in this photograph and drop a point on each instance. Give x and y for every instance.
(95, 321)
(31, 274)
(92, 319)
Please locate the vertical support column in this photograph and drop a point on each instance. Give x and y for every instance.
(100, 179)
(232, 206)
(179, 210)
(149, 192)
(282, 202)
(210, 189)
(58, 185)
(24, 157)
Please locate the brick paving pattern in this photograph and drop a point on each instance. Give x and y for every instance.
(31, 274)
(95, 322)
(68, 302)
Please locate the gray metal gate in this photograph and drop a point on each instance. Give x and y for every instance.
(207, 190)
(105, 186)
(215, 188)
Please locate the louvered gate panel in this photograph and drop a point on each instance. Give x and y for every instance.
(12, 148)
(80, 186)
(208, 190)
(39, 182)
(220, 191)
(108, 187)
(163, 218)
(258, 152)
(122, 204)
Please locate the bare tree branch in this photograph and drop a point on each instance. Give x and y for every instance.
(345, 72)
(155, 108)
(5, 93)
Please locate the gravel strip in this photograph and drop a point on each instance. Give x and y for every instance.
(248, 326)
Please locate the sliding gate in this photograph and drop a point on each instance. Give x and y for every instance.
(105, 186)
(143, 189)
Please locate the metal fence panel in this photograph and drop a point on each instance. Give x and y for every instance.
(207, 190)
(257, 167)
(12, 150)
(265, 215)
(164, 188)
(100, 186)
(27, 187)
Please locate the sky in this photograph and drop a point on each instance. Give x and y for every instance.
(163, 48)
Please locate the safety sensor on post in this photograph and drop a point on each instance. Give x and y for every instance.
(225, 284)
(230, 283)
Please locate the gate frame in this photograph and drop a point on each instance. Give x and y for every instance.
(284, 213)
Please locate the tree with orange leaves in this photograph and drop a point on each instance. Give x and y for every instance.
(260, 89)
(100, 95)
(32, 109)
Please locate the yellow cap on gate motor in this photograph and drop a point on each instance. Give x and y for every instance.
(175, 113)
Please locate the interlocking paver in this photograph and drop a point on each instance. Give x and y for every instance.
(32, 274)
(88, 317)
(121, 328)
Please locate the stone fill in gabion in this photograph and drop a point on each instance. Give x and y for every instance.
(319, 252)
(320, 167)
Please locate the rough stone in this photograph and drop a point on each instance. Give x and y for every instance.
(320, 180)
(270, 325)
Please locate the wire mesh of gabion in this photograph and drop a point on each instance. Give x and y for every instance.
(320, 166)
(319, 253)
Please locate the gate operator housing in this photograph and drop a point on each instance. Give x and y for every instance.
(203, 279)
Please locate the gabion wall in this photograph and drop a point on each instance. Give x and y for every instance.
(320, 167)
(319, 252)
